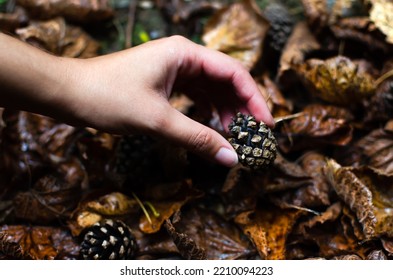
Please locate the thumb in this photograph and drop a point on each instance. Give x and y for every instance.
(197, 138)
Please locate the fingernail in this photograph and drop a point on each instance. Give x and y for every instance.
(226, 157)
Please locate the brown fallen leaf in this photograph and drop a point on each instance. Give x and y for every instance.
(367, 193)
(278, 105)
(10, 249)
(268, 229)
(187, 247)
(316, 12)
(52, 197)
(42, 243)
(253, 228)
(111, 205)
(312, 195)
(337, 80)
(381, 14)
(318, 125)
(331, 214)
(284, 175)
(11, 21)
(239, 31)
(376, 255)
(299, 44)
(220, 238)
(376, 150)
(166, 208)
(59, 38)
(355, 194)
(238, 191)
(75, 10)
(360, 31)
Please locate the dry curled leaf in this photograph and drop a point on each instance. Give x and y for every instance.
(75, 10)
(318, 125)
(368, 194)
(59, 38)
(239, 31)
(337, 80)
(355, 194)
(187, 247)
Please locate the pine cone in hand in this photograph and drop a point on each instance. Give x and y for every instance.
(253, 142)
(108, 240)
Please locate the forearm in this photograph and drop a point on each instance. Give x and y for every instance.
(30, 79)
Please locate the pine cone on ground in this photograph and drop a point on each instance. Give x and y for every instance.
(108, 240)
(254, 142)
(281, 24)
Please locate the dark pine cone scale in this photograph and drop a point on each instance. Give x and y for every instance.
(108, 240)
(254, 142)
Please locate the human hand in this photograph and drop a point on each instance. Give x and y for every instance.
(128, 92)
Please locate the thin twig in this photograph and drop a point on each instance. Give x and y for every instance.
(142, 207)
(288, 117)
(384, 77)
(130, 23)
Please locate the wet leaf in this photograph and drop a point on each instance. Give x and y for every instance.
(42, 243)
(318, 125)
(337, 80)
(75, 10)
(269, 230)
(59, 38)
(238, 31)
(166, 208)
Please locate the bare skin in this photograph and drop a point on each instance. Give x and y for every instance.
(128, 91)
